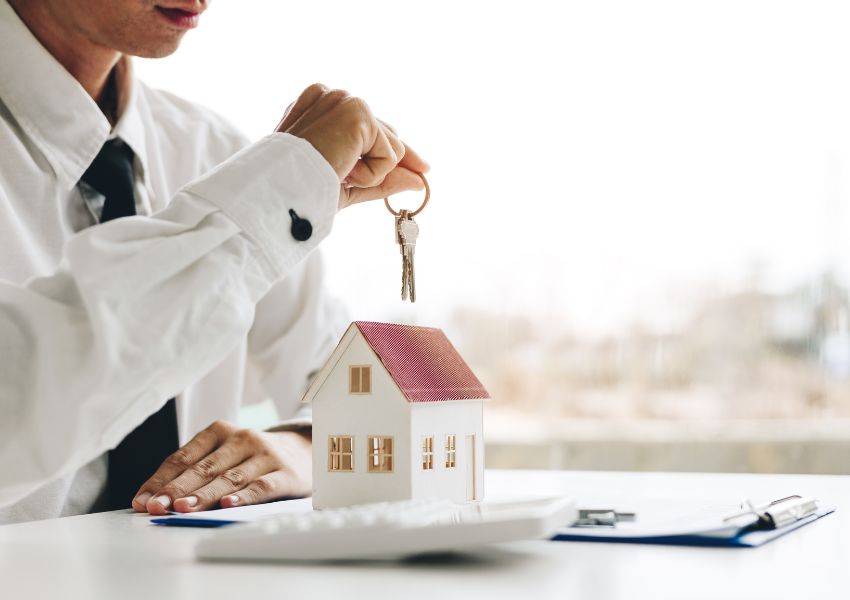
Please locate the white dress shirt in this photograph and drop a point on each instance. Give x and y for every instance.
(206, 297)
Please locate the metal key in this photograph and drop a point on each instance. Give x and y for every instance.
(406, 232)
(409, 231)
(400, 240)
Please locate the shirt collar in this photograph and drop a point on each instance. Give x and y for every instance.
(130, 127)
(54, 110)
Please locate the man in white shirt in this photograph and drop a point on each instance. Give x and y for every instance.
(213, 298)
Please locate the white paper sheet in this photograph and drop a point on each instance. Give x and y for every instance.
(250, 513)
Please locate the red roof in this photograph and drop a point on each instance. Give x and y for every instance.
(422, 362)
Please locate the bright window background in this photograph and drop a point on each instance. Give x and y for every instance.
(639, 225)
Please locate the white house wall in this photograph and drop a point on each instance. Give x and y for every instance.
(439, 419)
(383, 412)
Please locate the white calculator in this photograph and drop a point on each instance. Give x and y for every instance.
(388, 530)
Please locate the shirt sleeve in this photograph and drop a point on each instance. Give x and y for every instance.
(141, 307)
(297, 326)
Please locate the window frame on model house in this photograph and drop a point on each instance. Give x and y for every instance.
(356, 379)
(428, 453)
(379, 453)
(451, 451)
(336, 457)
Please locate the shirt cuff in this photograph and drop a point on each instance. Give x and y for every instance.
(301, 421)
(260, 186)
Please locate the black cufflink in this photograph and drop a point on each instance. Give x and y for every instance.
(301, 229)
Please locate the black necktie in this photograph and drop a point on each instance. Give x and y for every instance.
(143, 450)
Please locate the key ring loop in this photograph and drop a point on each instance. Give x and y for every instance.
(412, 214)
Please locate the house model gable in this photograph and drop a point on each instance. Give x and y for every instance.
(421, 361)
(397, 414)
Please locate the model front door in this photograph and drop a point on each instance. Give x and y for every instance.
(469, 455)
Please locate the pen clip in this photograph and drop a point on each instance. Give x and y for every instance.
(789, 510)
(779, 512)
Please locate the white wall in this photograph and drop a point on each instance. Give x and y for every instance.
(439, 419)
(383, 412)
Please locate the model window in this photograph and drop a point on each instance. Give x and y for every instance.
(340, 453)
(360, 379)
(451, 452)
(428, 453)
(380, 454)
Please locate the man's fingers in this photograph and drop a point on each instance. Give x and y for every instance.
(388, 126)
(271, 486)
(398, 146)
(392, 135)
(315, 103)
(370, 170)
(198, 447)
(307, 98)
(230, 454)
(231, 480)
(410, 158)
(413, 161)
(173, 466)
(375, 164)
(398, 180)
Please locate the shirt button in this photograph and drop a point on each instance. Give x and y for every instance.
(301, 229)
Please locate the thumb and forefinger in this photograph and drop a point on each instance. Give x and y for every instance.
(398, 180)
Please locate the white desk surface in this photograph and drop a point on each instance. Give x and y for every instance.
(120, 555)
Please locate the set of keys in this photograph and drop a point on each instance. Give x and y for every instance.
(406, 233)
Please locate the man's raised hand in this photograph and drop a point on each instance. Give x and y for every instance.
(366, 153)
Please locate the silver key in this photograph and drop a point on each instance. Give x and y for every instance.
(399, 239)
(409, 232)
(406, 232)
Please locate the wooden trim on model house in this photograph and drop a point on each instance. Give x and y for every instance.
(379, 449)
(360, 379)
(341, 453)
(428, 453)
(451, 451)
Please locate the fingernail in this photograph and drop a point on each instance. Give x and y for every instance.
(234, 499)
(142, 498)
(164, 500)
(190, 500)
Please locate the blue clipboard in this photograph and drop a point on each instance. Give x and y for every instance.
(743, 538)
(179, 522)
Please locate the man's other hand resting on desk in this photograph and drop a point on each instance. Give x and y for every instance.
(224, 466)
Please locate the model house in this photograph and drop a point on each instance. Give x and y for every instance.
(397, 415)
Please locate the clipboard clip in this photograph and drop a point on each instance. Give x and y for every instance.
(778, 513)
(602, 517)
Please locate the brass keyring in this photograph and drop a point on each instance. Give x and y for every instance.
(418, 210)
